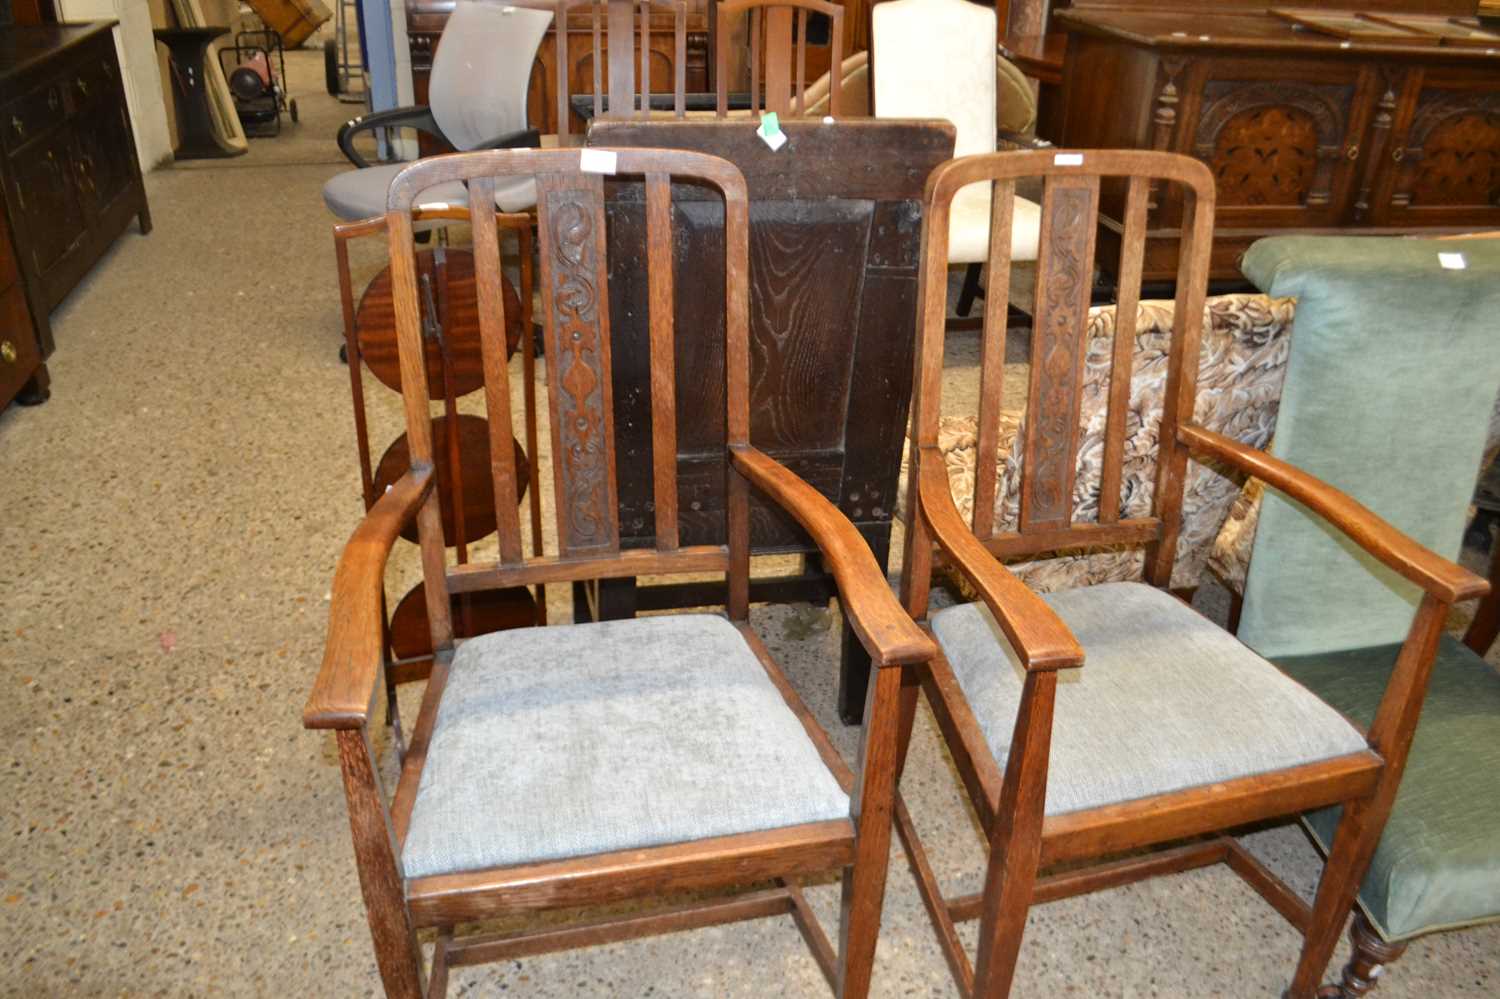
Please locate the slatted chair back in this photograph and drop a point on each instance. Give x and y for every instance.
(1076, 185)
(774, 50)
(627, 92)
(575, 320)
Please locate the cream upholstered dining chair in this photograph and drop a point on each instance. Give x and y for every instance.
(583, 765)
(938, 59)
(476, 100)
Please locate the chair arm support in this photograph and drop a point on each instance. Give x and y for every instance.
(344, 692)
(526, 138)
(1436, 575)
(418, 117)
(1006, 139)
(1038, 635)
(886, 631)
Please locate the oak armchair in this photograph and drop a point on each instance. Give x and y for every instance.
(1171, 729)
(717, 774)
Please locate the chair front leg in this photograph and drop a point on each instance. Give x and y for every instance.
(1366, 964)
(874, 799)
(1015, 840)
(396, 949)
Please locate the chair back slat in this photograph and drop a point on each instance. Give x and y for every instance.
(598, 66)
(575, 307)
(1127, 303)
(575, 310)
(1077, 208)
(771, 33)
(992, 358)
(626, 91)
(491, 303)
(1182, 376)
(1064, 282)
(663, 362)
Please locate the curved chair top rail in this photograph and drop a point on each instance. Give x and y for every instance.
(1091, 198)
(615, 17)
(771, 31)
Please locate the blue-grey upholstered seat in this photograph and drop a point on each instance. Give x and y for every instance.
(361, 194)
(572, 740)
(1165, 700)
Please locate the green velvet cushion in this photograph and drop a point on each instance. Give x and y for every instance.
(1394, 368)
(1438, 863)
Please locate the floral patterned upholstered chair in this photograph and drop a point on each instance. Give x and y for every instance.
(1242, 362)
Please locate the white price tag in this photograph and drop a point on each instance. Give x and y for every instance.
(1068, 159)
(597, 161)
(775, 141)
(1452, 261)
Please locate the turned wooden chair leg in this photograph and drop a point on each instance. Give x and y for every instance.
(1368, 962)
(1354, 844)
(874, 798)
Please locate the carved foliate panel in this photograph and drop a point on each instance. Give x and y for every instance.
(571, 226)
(1064, 279)
(1273, 143)
(1452, 151)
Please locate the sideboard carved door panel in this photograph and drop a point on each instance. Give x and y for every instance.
(1444, 163)
(1282, 139)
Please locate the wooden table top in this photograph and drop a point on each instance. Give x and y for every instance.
(1261, 32)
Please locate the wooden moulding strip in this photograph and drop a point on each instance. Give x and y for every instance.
(489, 948)
(631, 562)
(719, 862)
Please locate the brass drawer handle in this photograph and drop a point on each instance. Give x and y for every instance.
(17, 124)
(1353, 152)
(83, 87)
(8, 352)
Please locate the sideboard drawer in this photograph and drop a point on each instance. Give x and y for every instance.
(19, 357)
(28, 117)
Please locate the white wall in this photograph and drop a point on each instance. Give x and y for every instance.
(137, 50)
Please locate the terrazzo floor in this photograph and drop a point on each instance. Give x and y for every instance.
(172, 520)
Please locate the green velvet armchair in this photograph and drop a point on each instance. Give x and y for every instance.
(1394, 368)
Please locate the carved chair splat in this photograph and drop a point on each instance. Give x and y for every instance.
(416, 871)
(1035, 781)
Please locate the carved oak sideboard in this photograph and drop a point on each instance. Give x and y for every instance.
(1303, 132)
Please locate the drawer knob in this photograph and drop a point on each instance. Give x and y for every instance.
(7, 352)
(18, 125)
(83, 86)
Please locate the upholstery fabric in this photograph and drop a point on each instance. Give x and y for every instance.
(1438, 863)
(854, 89)
(361, 194)
(580, 739)
(1393, 365)
(1015, 104)
(1241, 363)
(482, 69)
(909, 38)
(1230, 558)
(1165, 699)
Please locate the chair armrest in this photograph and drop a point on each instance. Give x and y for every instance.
(887, 632)
(343, 694)
(418, 117)
(1038, 635)
(1006, 139)
(526, 138)
(1436, 575)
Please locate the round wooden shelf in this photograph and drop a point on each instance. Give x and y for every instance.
(457, 301)
(486, 611)
(478, 486)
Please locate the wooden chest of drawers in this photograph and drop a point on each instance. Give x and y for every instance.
(1303, 132)
(67, 157)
